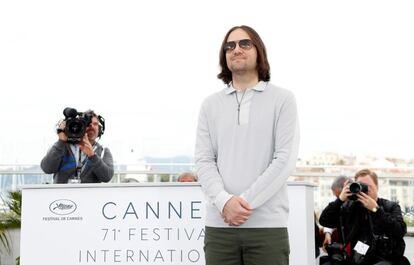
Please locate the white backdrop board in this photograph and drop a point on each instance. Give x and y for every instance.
(128, 224)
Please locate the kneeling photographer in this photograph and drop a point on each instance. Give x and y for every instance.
(371, 228)
(77, 157)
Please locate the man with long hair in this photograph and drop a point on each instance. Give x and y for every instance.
(246, 148)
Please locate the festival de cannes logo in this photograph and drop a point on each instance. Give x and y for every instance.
(62, 207)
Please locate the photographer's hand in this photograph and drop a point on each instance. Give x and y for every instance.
(345, 193)
(367, 201)
(86, 146)
(62, 136)
(326, 241)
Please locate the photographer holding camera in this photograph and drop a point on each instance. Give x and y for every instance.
(371, 228)
(77, 156)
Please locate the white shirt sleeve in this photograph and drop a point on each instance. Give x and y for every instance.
(327, 230)
(206, 165)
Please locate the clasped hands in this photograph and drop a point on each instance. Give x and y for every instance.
(236, 211)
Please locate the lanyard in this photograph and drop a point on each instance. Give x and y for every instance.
(81, 164)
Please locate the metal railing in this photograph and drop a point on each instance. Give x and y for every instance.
(396, 184)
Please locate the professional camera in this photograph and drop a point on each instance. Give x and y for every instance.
(336, 252)
(384, 245)
(76, 124)
(357, 187)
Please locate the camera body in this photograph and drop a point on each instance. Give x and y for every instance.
(76, 124)
(336, 252)
(357, 187)
(384, 246)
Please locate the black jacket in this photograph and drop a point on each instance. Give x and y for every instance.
(385, 235)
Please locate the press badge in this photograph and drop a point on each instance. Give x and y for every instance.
(361, 248)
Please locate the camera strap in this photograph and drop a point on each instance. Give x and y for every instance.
(373, 236)
(345, 241)
(341, 224)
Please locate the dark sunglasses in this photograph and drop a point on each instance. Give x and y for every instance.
(245, 44)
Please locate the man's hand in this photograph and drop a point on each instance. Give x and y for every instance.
(236, 211)
(62, 136)
(86, 146)
(367, 201)
(326, 241)
(345, 193)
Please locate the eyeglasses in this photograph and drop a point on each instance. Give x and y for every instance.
(245, 44)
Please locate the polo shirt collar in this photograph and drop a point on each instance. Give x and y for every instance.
(258, 87)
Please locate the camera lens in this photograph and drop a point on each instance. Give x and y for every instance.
(355, 187)
(75, 129)
(358, 187)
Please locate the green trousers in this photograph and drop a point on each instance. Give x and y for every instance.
(246, 246)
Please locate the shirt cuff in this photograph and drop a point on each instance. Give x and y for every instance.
(222, 199)
(243, 197)
(327, 230)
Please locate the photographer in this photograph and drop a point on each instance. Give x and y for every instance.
(371, 228)
(77, 156)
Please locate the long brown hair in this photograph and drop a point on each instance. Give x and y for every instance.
(263, 67)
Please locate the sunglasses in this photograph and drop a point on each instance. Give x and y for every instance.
(245, 44)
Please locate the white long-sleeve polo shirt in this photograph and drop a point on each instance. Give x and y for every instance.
(252, 160)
